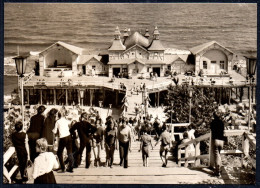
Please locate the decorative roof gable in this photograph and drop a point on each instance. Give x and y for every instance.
(197, 49)
(85, 58)
(74, 49)
(137, 46)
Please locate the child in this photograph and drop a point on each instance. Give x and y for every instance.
(190, 148)
(44, 164)
(110, 142)
(165, 139)
(144, 146)
(20, 142)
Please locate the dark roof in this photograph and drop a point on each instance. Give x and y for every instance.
(136, 38)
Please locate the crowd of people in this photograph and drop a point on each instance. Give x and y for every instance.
(50, 135)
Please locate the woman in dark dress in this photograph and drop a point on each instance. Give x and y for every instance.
(35, 130)
(110, 135)
(49, 124)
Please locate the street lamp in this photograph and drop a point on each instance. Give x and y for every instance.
(20, 62)
(172, 128)
(81, 92)
(251, 67)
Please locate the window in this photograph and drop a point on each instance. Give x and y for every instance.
(93, 67)
(148, 69)
(222, 64)
(140, 53)
(169, 67)
(205, 65)
(133, 53)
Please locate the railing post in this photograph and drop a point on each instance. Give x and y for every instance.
(211, 152)
(179, 157)
(245, 145)
(172, 132)
(186, 156)
(197, 153)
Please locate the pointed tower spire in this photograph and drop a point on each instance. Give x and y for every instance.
(156, 33)
(147, 35)
(117, 33)
(117, 43)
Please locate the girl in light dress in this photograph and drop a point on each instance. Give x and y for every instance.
(44, 164)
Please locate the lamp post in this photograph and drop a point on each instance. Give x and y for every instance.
(172, 128)
(20, 62)
(81, 92)
(190, 95)
(251, 67)
(171, 111)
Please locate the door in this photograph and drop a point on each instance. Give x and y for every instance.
(84, 69)
(213, 67)
(157, 70)
(116, 71)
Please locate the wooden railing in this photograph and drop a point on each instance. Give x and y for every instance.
(8, 174)
(246, 141)
(173, 125)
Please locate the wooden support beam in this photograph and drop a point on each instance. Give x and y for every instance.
(104, 95)
(28, 96)
(79, 102)
(66, 90)
(54, 97)
(116, 97)
(41, 96)
(91, 92)
(158, 99)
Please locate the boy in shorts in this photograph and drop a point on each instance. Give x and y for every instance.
(165, 139)
(144, 145)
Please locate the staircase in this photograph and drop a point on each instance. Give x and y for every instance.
(137, 174)
(132, 100)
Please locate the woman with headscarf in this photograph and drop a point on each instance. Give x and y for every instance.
(49, 124)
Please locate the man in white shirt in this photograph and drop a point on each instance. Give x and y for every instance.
(62, 125)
